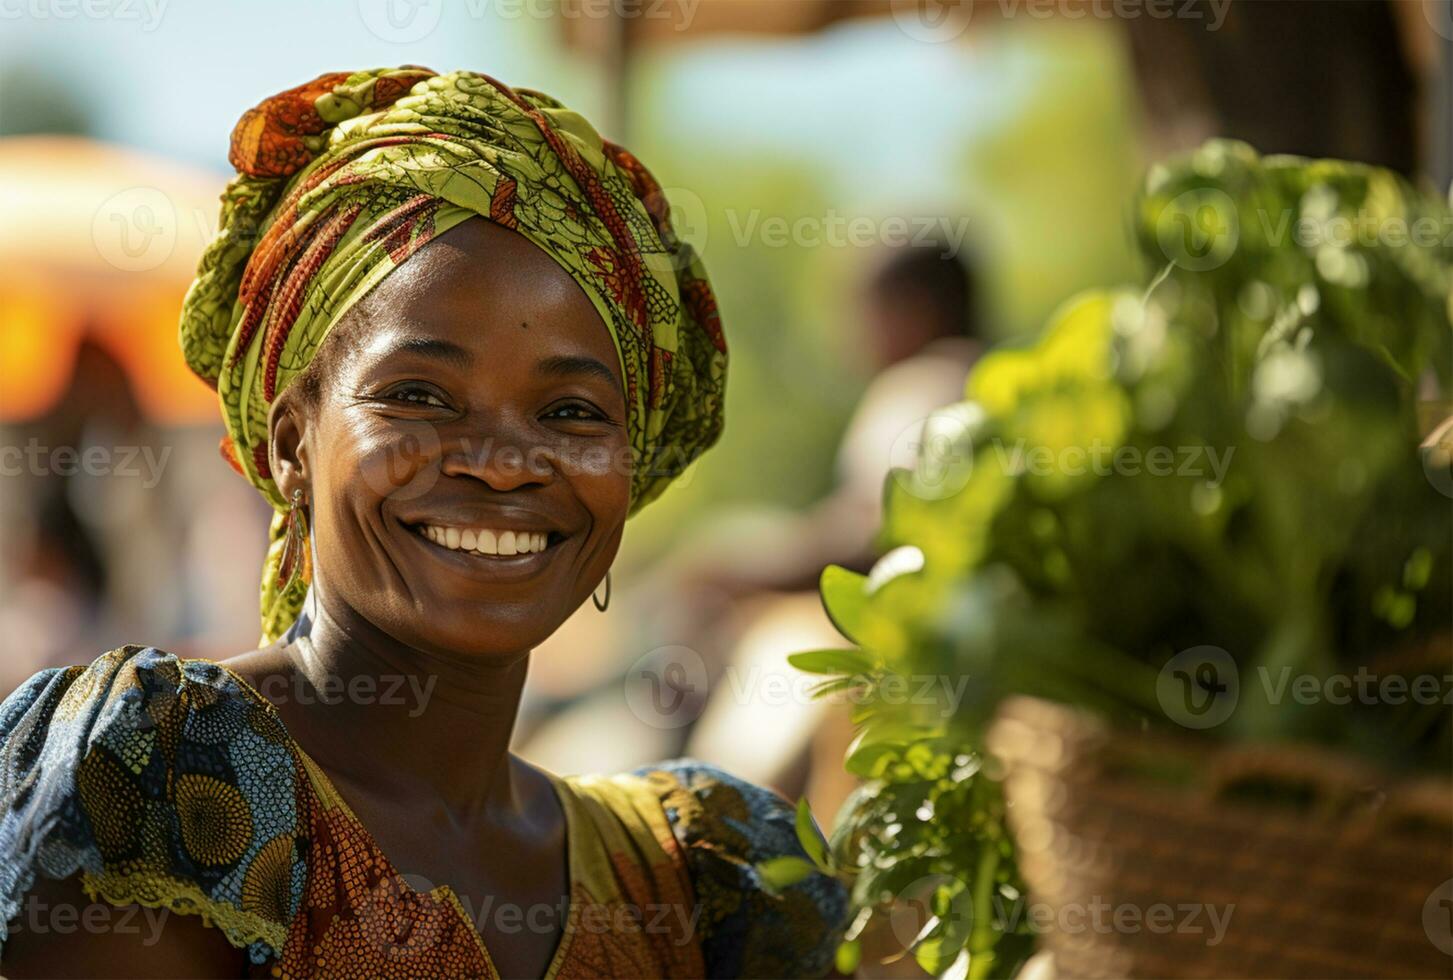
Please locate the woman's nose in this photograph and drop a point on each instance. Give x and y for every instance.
(504, 457)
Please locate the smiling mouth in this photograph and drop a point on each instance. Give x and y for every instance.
(483, 542)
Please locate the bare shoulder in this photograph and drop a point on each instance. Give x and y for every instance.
(61, 932)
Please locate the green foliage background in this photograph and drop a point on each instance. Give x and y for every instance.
(1291, 314)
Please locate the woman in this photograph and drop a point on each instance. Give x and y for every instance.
(456, 343)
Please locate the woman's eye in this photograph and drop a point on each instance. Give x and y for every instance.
(416, 396)
(574, 413)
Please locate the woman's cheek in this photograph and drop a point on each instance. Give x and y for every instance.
(400, 461)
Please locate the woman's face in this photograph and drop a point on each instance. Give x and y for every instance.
(464, 448)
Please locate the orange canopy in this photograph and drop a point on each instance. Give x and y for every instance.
(99, 241)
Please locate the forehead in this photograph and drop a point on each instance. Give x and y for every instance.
(489, 290)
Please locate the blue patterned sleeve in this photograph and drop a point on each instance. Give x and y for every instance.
(158, 783)
(726, 827)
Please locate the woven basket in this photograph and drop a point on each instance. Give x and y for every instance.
(1348, 877)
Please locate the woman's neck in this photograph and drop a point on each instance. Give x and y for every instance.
(404, 720)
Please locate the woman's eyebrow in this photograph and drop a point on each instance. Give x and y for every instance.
(431, 347)
(575, 364)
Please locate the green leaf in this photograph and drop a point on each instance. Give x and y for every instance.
(870, 759)
(784, 872)
(934, 955)
(844, 597)
(850, 661)
(810, 839)
(823, 689)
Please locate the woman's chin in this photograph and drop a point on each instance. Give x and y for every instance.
(488, 632)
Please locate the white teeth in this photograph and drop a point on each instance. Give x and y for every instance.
(486, 541)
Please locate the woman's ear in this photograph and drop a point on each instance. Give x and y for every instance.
(287, 452)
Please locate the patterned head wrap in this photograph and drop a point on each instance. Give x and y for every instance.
(342, 179)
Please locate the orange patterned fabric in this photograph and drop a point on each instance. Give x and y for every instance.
(629, 897)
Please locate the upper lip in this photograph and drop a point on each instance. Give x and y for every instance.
(494, 519)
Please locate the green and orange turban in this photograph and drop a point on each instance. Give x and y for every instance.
(342, 179)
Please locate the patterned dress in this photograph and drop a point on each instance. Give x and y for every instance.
(171, 783)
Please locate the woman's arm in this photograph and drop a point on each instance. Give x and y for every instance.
(61, 932)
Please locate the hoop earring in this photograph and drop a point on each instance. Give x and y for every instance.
(600, 603)
(293, 563)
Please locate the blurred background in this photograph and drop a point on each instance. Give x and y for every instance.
(880, 191)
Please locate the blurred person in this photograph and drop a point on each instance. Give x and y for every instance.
(746, 585)
(921, 327)
(66, 579)
(456, 344)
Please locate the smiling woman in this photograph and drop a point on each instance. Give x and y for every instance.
(456, 344)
